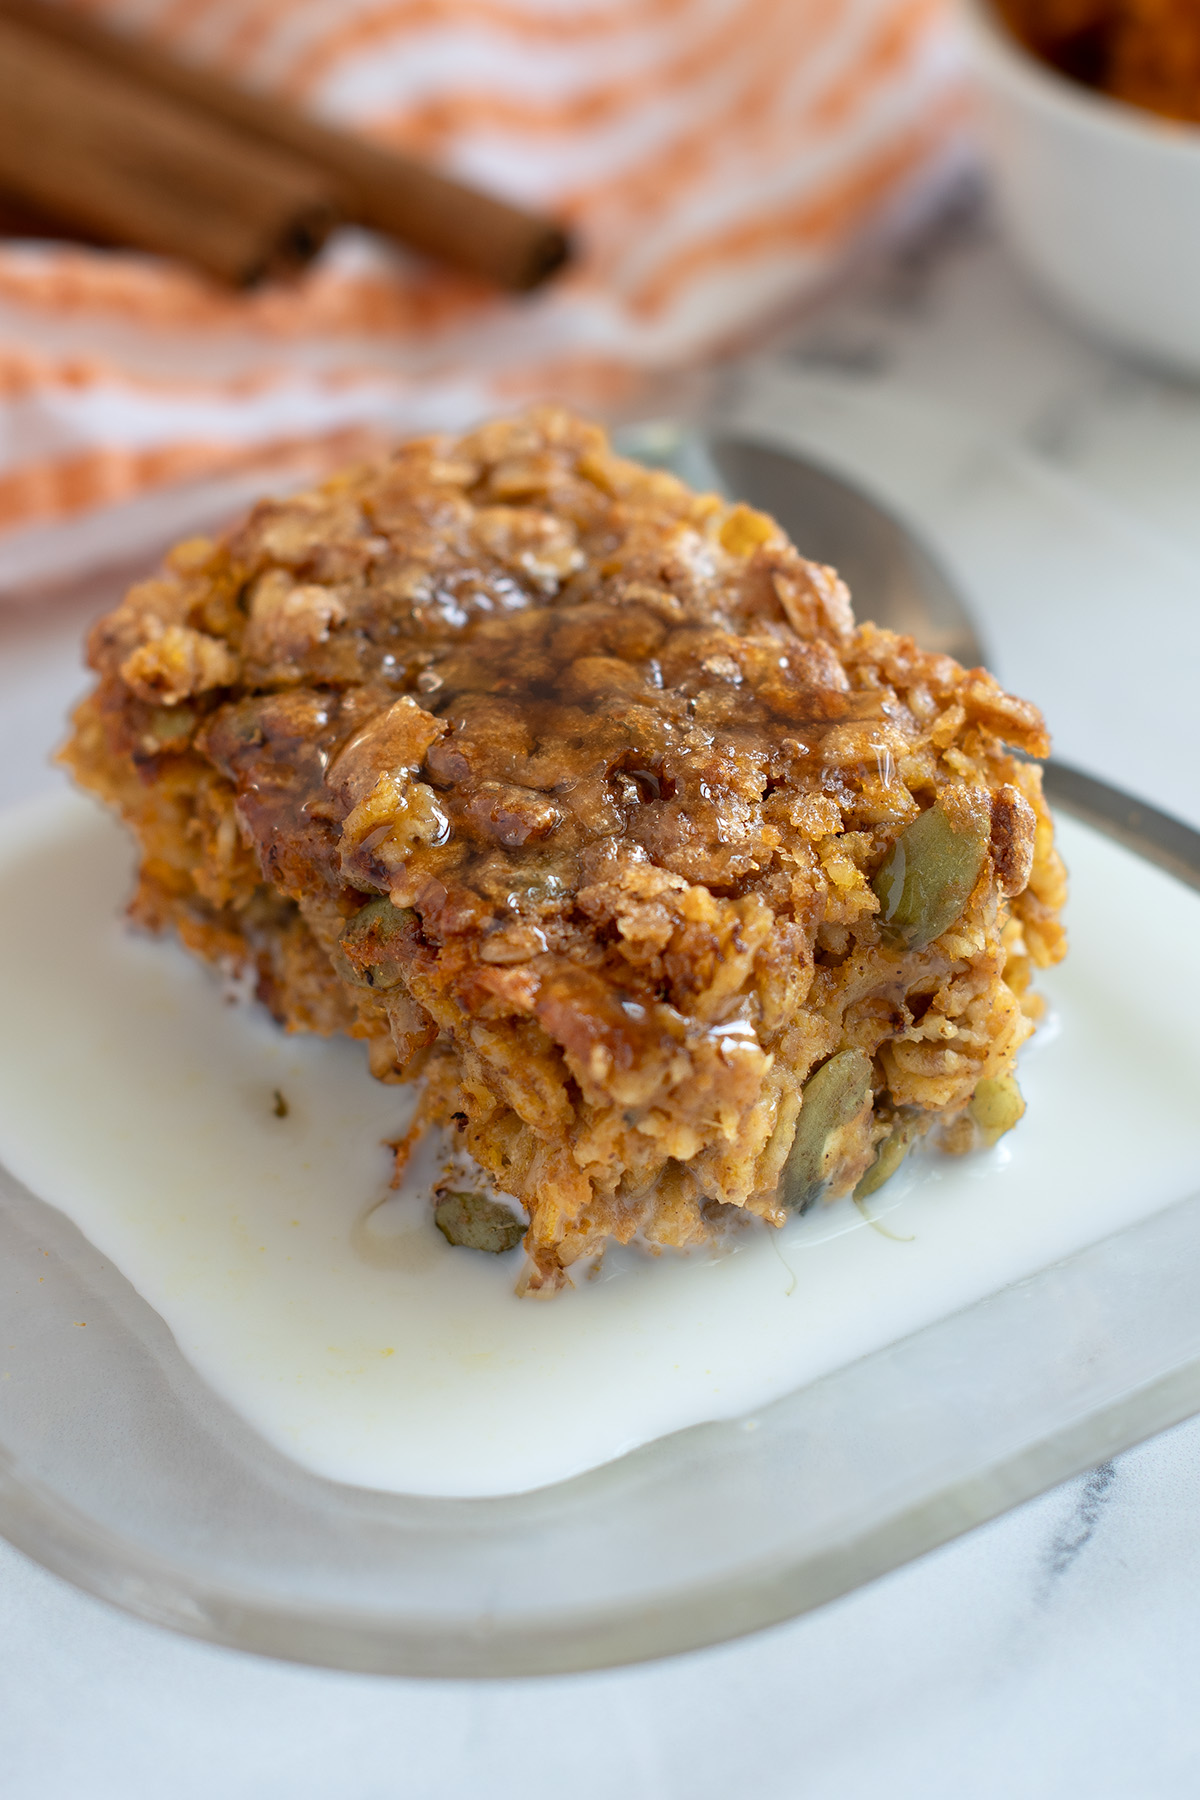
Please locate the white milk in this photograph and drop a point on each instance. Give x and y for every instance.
(134, 1097)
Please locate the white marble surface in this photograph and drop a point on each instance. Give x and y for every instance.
(1053, 1653)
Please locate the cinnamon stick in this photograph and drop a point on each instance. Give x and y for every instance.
(20, 218)
(381, 188)
(94, 148)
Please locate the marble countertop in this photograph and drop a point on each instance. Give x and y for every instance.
(1052, 1653)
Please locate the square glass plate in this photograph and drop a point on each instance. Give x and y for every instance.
(122, 1471)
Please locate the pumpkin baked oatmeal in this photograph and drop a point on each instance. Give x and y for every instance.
(580, 797)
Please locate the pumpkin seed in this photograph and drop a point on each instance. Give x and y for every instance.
(373, 941)
(833, 1096)
(926, 878)
(892, 1152)
(473, 1222)
(995, 1106)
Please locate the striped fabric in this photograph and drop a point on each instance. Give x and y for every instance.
(715, 157)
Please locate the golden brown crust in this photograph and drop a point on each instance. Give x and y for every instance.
(624, 770)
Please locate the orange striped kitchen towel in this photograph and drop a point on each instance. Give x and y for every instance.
(715, 158)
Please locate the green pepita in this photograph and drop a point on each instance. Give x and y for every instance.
(996, 1105)
(833, 1097)
(373, 943)
(892, 1152)
(926, 878)
(474, 1222)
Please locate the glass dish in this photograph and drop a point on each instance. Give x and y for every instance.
(122, 1471)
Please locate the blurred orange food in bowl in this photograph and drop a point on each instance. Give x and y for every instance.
(1146, 52)
(1101, 199)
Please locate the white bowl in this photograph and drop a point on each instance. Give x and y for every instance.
(1101, 199)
